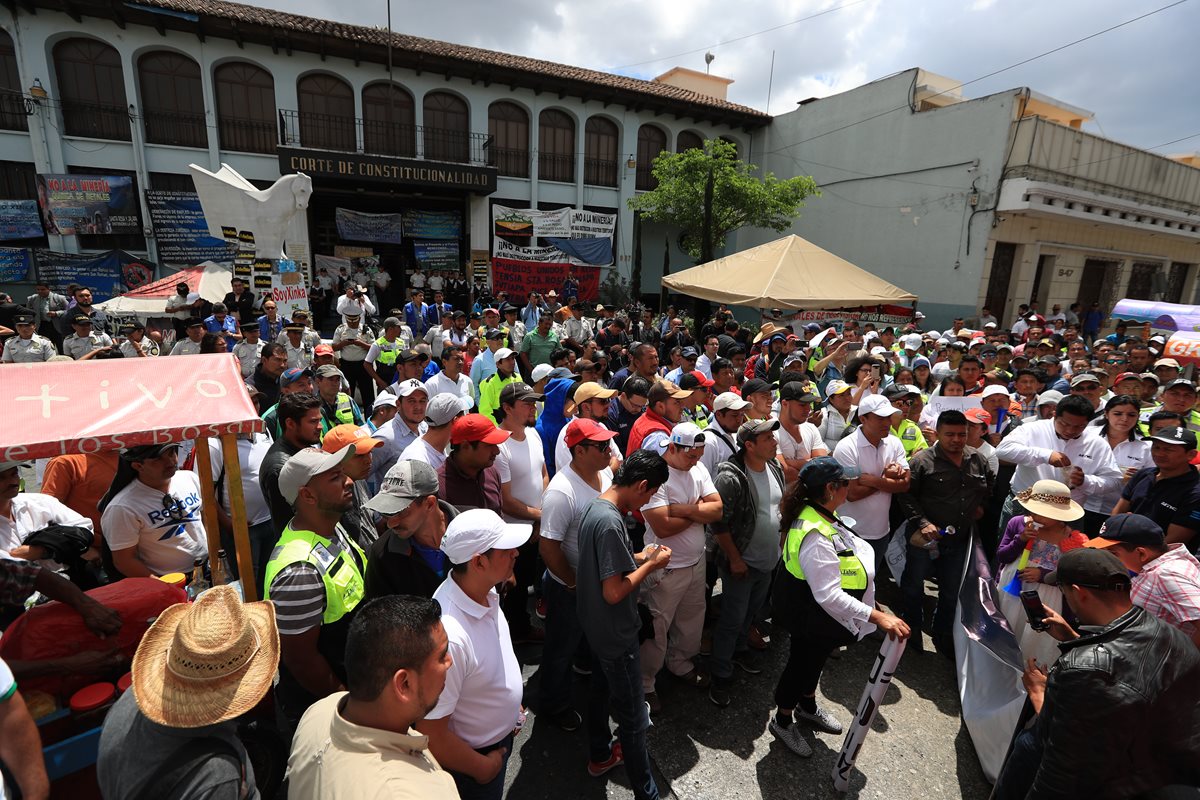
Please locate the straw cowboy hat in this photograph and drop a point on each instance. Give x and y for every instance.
(767, 331)
(1050, 499)
(206, 662)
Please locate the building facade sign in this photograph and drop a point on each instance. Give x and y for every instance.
(388, 171)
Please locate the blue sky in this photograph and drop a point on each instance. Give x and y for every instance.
(1140, 81)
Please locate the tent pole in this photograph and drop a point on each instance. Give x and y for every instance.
(208, 503)
(237, 506)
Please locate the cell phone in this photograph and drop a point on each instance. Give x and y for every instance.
(853, 347)
(878, 370)
(1035, 612)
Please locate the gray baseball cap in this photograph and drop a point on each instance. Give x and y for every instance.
(443, 408)
(404, 483)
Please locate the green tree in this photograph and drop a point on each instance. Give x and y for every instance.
(708, 194)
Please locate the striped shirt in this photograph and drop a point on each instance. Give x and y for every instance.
(298, 592)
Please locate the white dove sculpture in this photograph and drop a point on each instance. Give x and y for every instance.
(229, 200)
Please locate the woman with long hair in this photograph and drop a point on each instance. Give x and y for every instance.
(824, 595)
(1120, 429)
(923, 377)
(212, 343)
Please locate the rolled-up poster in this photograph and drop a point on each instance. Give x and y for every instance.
(872, 696)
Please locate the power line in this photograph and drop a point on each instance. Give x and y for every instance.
(988, 75)
(741, 38)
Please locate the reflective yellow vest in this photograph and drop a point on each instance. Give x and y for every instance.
(339, 570)
(854, 574)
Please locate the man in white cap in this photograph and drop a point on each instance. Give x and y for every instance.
(490, 388)
(880, 457)
(431, 446)
(729, 412)
(382, 411)
(676, 516)
(403, 429)
(407, 558)
(315, 579)
(471, 728)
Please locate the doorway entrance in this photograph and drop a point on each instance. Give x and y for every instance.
(1095, 283)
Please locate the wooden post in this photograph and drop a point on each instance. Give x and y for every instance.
(208, 504)
(237, 507)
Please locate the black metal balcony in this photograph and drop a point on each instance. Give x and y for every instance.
(181, 130)
(14, 111)
(556, 167)
(96, 120)
(247, 135)
(599, 172)
(380, 137)
(509, 161)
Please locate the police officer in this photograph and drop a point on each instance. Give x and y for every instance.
(382, 357)
(300, 352)
(352, 341)
(27, 346)
(822, 557)
(84, 341)
(903, 428)
(137, 344)
(315, 579)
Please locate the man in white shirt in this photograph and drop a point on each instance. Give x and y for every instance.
(355, 302)
(879, 456)
(471, 728)
(249, 349)
(24, 513)
(189, 345)
(1057, 449)
(151, 514)
(437, 335)
(575, 485)
(799, 440)
(451, 379)
(251, 448)
(729, 412)
(352, 341)
(675, 517)
(431, 446)
(704, 362)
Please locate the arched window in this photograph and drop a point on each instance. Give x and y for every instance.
(172, 100)
(245, 108)
(508, 127)
(389, 121)
(91, 89)
(688, 140)
(600, 152)
(326, 113)
(651, 141)
(556, 146)
(447, 128)
(12, 104)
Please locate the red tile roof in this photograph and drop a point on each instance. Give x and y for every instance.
(406, 48)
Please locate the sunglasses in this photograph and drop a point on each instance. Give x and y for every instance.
(597, 445)
(174, 508)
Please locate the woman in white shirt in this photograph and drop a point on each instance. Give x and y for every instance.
(1119, 427)
(824, 595)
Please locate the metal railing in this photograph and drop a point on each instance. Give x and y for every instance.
(556, 167)
(14, 111)
(380, 137)
(181, 130)
(247, 135)
(96, 120)
(509, 161)
(599, 172)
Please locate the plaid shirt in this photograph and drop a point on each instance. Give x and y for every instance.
(1169, 588)
(17, 579)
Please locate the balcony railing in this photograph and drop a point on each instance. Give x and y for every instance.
(380, 137)
(181, 130)
(510, 162)
(247, 135)
(556, 167)
(14, 111)
(96, 120)
(599, 172)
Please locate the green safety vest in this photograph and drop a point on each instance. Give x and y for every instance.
(854, 574)
(388, 351)
(909, 434)
(339, 571)
(345, 409)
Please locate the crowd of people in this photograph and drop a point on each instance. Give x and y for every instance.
(437, 490)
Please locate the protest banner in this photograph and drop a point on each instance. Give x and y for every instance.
(878, 315)
(180, 230)
(519, 278)
(937, 404)
(107, 275)
(15, 264)
(564, 235)
(441, 255)
(432, 224)
(19, 219)
(88, 204)
(877, 685)
(359, 226)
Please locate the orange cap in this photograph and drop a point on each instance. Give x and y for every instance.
(340, 436)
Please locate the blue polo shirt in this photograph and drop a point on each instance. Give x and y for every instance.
(1170, 501)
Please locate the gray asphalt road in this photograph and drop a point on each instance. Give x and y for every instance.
(917, 748)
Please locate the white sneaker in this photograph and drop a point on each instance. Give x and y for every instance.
(822, 720)
(791, 737)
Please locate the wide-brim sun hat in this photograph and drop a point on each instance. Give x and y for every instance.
(206, 662)
(1050, 499)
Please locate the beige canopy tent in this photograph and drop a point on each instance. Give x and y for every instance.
(789, 273)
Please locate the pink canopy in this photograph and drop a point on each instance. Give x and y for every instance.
(65, 407)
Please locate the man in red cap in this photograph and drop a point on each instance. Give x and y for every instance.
(469, 478)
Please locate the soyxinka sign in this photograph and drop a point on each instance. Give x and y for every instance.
(388, 171)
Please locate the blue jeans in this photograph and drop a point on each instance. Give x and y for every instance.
(741, 600)
(1020, 768)
(948, 567)
(617, 686)
(470, 789)
(563, 634)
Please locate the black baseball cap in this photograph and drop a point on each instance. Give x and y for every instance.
(144, 451)
(756, 385)
(1090, 568)
(1182, 436)
(821, 471)
(899, 390)
(1131, 529)
(515, 392)
(494, 333)
(689, 352)
(795, 390)
(23, 319)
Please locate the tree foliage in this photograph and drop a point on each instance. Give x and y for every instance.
(739, 197)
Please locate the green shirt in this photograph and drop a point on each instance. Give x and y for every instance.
(539, 347)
